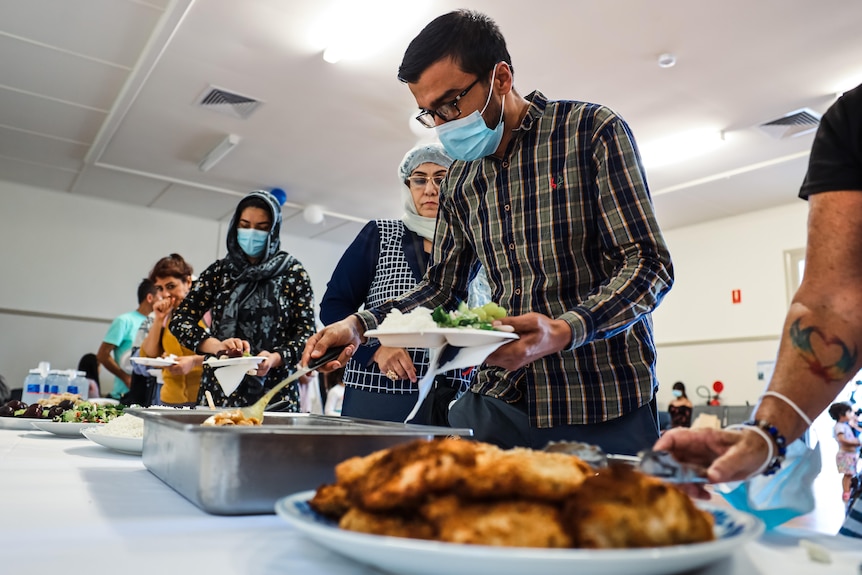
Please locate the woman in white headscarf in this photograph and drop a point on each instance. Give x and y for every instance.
(387, 259)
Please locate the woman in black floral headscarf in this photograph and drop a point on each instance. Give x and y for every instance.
(261, 303)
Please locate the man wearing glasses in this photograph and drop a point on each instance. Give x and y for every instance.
(551, 198)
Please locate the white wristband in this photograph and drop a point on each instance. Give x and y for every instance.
(770, 448)
(789, 402)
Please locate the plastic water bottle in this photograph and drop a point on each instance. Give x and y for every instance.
(78, 384)
(56, 382)
(33, 383)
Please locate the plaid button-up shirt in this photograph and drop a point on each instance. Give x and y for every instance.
(564, 226)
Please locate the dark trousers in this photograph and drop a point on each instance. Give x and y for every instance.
(380, 406)
(141, 391)
(507, 425)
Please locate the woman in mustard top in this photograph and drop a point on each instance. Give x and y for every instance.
(173, 279)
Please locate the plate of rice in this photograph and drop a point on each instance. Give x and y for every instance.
(124, 434)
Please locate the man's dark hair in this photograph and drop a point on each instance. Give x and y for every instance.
(470, 38)
(146, 288)
(836, 410)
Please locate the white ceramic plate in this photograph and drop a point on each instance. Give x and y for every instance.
(250, 361)
(20, 423)
(153, 361)
(63, 428)
(417, 557)
(132, 445)
(457, 336)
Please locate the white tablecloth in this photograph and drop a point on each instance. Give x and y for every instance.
(70, 506)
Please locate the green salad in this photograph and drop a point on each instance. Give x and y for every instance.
(86, 412)
(476, 318)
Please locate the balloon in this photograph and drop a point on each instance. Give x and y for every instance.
(718, 387)
(313, 214)
(279, 195)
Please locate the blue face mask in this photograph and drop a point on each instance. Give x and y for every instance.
(470, 138)
(677, 392)
(776, 499)
(251, 241)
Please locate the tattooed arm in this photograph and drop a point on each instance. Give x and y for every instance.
(822, 337)
(820, 345)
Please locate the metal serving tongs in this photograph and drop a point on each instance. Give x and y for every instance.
(661, 464)
(256, 409)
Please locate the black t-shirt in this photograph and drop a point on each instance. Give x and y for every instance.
(836, 155)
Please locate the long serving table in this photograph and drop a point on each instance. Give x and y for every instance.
(71, 506)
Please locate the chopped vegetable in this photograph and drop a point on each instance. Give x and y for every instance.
(86, 412)
(477, 317)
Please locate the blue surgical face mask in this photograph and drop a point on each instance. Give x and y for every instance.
(677, 392)
(470, 138)
(251, 241)
(778, 498)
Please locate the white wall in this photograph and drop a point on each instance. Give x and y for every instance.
(69, 264)
(701, 335)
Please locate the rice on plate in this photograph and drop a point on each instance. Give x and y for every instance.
(417, 320)
(126, 425)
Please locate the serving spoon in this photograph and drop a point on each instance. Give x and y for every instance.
(255, 411)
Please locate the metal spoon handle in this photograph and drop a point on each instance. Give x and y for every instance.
(257, 408)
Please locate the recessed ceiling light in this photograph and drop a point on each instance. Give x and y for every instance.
(680, 147)
(347, 30)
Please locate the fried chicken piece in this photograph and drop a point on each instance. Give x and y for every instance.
(406, 475)
(621, 507)
(516, 523)
(330, 500)
(391, 524)
(520, 472)
(351, 470)
(233, 417)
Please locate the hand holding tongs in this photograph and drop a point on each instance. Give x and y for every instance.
(661, 464)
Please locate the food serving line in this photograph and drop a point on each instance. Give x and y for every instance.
(74, 506)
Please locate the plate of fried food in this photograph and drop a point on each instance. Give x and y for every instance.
(465, 507)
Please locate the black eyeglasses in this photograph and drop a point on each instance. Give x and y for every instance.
(447, 112)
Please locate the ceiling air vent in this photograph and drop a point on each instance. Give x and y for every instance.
(797, 123)
(228, 103)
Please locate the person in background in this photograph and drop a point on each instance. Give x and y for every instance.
(334, 386)
(5, 394)
(261, 302)
(172, 276)
(551, 198)
(387, 259)
(89, 364)
(680, 407)
(116, 347)
(827, 307)
(847, 457)
(143, 390)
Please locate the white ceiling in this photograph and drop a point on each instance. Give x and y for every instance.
(98, 97)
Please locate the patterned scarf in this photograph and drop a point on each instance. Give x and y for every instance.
(252, 310)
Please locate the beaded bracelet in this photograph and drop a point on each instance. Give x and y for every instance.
(780, 443)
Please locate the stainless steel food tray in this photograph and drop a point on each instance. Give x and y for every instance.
(239, 470)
